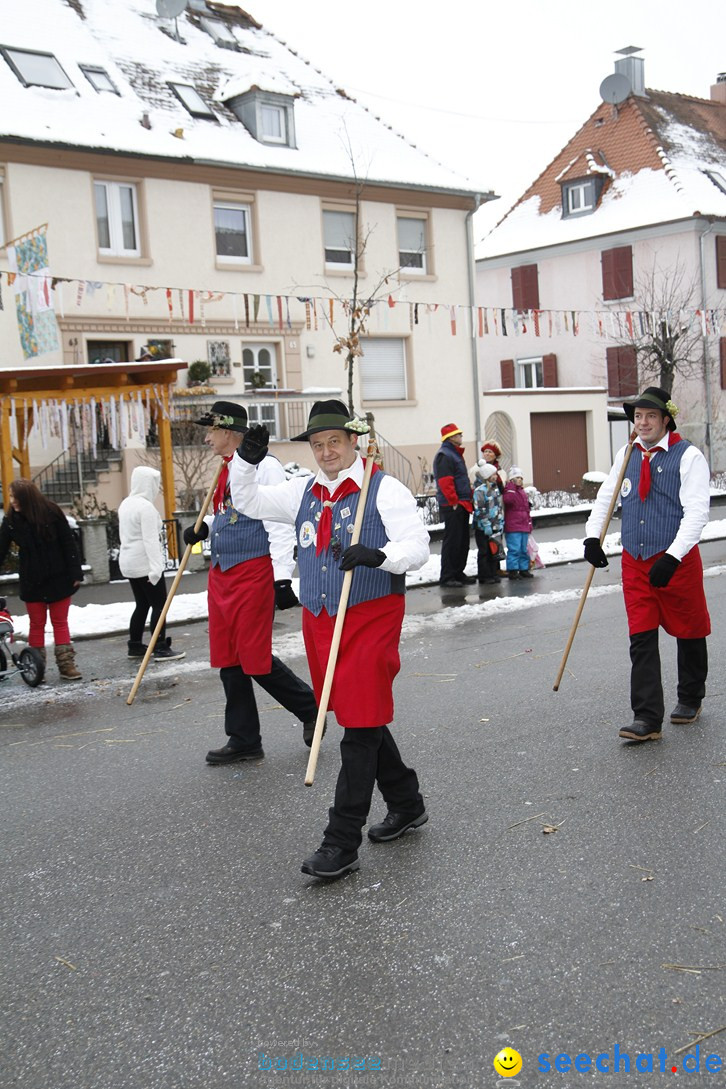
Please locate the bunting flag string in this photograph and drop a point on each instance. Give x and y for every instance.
(38, 294)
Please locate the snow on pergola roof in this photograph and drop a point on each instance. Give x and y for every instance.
(140, 53)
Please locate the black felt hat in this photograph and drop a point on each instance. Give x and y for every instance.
(331, 416)
(225, 415)
(652, 397)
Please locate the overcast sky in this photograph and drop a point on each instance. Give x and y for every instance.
(494, 90)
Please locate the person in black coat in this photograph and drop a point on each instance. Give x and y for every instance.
(49, 567)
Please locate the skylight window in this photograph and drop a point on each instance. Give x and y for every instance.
(221, 33)
(36, 69)
(98, 78)
(192, 100)
(718, 179)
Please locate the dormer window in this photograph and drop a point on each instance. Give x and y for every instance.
(580, 197)
(99, 78)
(36, 69)
(192, 101)
(266, 115)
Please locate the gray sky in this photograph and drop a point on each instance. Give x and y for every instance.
(494, 90)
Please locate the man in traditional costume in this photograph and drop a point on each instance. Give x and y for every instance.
(392, 541)
(249, 574)
(665, 502)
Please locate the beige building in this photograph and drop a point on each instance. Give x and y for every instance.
(210, 196)
(617, 250)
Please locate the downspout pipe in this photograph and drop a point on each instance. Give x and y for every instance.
(706, 367)
(479, 199)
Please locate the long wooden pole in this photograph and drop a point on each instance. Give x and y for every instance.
(174, 585)
(339, 620)
(591, 572)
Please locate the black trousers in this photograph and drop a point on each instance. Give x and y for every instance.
(487, 566)
(241, 718)
(646, 687)
(146, 597)
(368, 756)
(455, 542)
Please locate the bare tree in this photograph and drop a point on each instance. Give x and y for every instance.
(667, 339)
(193, 462)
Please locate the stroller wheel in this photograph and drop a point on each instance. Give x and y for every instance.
(32, 666)
(3, 663)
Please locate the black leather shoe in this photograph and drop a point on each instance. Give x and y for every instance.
(641, 731)
(228, 755)
(682, 713)
(451, 582)
(329, 861)
(468, 580)
(394, 825)
(309, 731)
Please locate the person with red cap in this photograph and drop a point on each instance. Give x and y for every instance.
(455, 498)
(665, 497)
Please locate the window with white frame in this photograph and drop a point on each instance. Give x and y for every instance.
(530, 373)
(117, 219)
(233, 232)
(339, 238)
(259, 365)
(382, 369)
(98, 78)
(579, 198)
(3, 229)
(412, 243)
(273, 127)
(192, 101)
(36, 69)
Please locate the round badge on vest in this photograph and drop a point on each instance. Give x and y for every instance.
(627, 487)
(307, 534)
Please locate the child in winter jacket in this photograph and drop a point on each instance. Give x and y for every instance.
(517, 525)
(142, 561)
(488, 524)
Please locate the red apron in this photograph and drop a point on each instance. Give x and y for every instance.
(368, 659)
(679, 608)
(241, 610)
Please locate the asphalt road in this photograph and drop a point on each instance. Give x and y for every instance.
(158, 934)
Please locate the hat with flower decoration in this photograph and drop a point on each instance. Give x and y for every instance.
(653, 397)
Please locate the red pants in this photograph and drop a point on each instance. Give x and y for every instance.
(37, 612)
(368, 659)
(679, 608)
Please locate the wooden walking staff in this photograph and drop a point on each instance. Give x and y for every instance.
(339, 619)
(182, 564)
(591, 572)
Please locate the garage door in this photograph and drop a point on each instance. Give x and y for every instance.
(559, 449)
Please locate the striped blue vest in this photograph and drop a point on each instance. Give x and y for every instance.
(650, 525)
(321, 579)
(235, 538)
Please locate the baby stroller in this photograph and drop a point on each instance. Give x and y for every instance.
(29, 663)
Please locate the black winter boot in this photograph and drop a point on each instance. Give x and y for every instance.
(136, 650)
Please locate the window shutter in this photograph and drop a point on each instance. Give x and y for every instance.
(382, 369)
(617, 273)
(506, 367)
(622, 372)
(549, 370)
(517, 292)
(525, 288)
(722, 346)
(721, 261)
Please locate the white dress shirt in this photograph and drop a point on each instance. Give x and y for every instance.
(694, 495)
(407, 547)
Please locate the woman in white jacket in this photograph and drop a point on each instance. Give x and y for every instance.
(142, 561)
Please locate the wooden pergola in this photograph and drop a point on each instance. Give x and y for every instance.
(81, 385)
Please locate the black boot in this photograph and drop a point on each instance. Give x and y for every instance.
(136, 650)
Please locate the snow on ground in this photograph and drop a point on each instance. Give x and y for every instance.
(113, 619)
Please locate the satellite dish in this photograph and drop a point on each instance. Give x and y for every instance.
(614, 88)
(169, 9)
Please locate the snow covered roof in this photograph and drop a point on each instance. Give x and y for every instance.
(223, 51)
(660, 159)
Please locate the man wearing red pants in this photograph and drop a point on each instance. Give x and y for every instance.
(665, 502)
(392, 541)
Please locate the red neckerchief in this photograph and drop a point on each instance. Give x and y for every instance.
(347, 487)
(220, 492)
(644, 485)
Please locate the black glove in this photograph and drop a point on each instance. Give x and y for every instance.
(361, 556)
(594, 553)
(285, 595)
(663, 571)
(191, 537)
(253, 447)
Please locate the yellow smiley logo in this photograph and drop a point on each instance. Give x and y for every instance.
(508, 1062)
